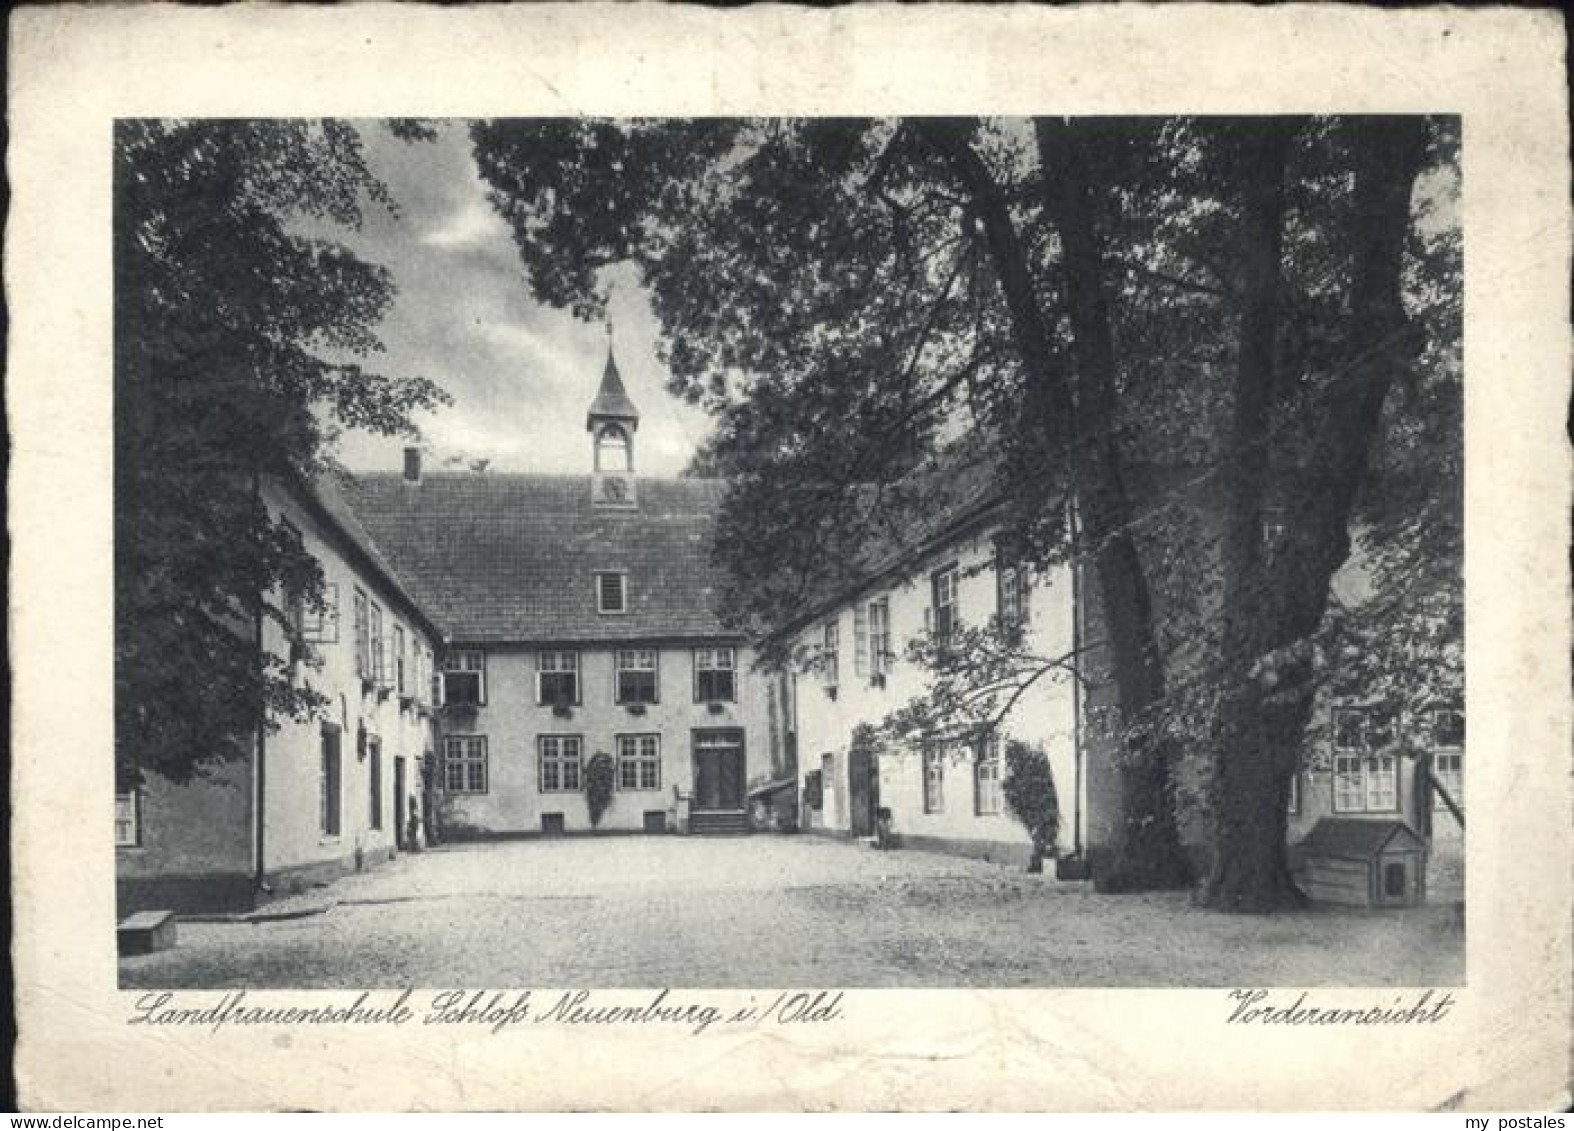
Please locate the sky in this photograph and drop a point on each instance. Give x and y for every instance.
(521, 374)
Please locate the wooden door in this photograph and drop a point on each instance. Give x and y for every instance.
(399, 804)
(863, 789)
(718, 770)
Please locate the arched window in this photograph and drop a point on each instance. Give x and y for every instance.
(612, 449)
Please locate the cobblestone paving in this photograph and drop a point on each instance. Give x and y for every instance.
(774, 912)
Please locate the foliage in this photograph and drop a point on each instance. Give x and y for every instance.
(600, 781)
(1029, 790)
(226, 315)
(881, 312)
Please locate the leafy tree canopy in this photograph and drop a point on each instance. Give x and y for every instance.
(240, 344)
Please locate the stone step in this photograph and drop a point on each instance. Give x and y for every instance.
(725, 822)
(146, 932)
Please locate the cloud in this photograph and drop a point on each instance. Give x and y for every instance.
(473, 224)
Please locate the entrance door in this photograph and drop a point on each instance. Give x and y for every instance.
(863, 789)
(718, 770)
(399, 804)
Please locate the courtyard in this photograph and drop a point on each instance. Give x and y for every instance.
(773, 911)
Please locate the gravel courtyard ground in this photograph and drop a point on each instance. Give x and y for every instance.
(775, 912)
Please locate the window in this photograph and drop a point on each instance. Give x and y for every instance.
(943, 584)
(639, 761)
(374, 783)
(464, 677)
(1447, 726)
(612, 449)
(1275, 529)
(398, 639)
(1011, 590)
(1366, 780)
(464, 763)
(830, 652)
(381, 669)
(557, 678)
(1448, 771)
(559, 763)
(636, 675)
(879, 637)
(714, 680)
(363, 637)
(328, 783)
(934, 777)
(610, 595)
(321, 626)
(986, 778)
(128, 819)
(1448, 729)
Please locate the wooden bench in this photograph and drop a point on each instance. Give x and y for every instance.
(146, 932)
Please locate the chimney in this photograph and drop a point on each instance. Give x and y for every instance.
(412, 465)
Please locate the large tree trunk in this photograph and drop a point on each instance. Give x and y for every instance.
(1254, 766)
(1251, 773)
(1082, 416)
(1150, 852)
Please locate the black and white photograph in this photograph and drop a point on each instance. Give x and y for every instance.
(724, 552)
(656, 558)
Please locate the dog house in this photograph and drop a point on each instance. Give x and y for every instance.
(1363, 863)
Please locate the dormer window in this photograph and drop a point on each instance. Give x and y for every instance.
(612, 449)
(611, 593)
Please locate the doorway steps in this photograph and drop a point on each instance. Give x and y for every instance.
(718, 822)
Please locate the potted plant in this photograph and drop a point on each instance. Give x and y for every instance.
(715, 707)
(636, 708)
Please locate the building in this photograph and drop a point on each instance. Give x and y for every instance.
(577, 614)
(311, 800)
(500, 647)
(943, 792)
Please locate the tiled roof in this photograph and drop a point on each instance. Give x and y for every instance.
(326, 492)
(939, 502)
(496, 558)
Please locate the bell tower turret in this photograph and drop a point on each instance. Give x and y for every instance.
(612, 422)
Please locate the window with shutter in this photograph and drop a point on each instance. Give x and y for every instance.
(321, 626)
(464, 678)
(714, 675)
(363, 637)
(943, 583)
(635, 670)
(830, 652)
(879, 637)
(399, 681)
(557, 678)
(860, 639)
